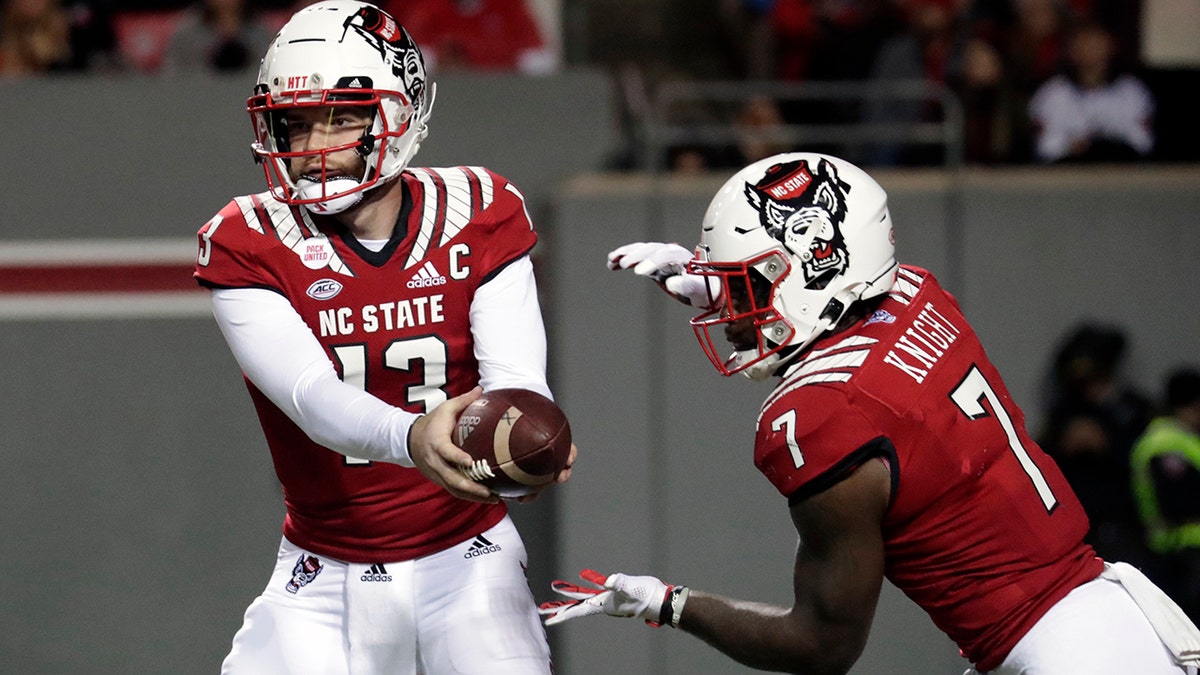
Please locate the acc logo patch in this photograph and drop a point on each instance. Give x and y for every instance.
(324, 289)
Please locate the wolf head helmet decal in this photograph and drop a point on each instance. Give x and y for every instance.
(394, 45)
(808, 235)
(791, 201)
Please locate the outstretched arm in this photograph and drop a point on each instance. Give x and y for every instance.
(836, 582)
(666, 265)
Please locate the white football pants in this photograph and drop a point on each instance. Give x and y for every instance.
(1097, 629)
(467, 610)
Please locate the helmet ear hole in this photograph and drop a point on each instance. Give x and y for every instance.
(833, 311)
(822, 280)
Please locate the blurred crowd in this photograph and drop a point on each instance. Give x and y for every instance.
(1038, 81)
(1132, 457)
(220, 36)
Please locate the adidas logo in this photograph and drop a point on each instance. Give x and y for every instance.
(355, 84)
(376, 572)
(427, 276)
(480, 546)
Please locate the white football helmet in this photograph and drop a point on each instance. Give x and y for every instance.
(349, 53)
(794, 239)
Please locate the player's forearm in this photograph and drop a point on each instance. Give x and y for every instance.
(281, 357)
(510, 337)
(766, 637)
(350, 421)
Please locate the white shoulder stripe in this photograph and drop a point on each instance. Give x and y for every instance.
(906, 286)
(428, 217)
(486, 188)
(249, 213)
(851, 341)
(460, 207)
(847, 359)
(798, 381)
(910, 276)
(836, 363)
(291, 232)
(823, 377)
(307, 223)
(284, 223)
(459, 204)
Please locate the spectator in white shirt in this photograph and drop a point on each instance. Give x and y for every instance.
(1093, 111)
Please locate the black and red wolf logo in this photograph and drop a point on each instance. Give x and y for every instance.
(394, 45)
(306, 569)
(790, 200)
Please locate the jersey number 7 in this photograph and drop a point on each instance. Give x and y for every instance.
(969, 396)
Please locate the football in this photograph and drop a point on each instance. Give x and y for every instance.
(520, 441)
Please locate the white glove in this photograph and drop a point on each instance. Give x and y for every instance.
(666, 264)
(620, 595)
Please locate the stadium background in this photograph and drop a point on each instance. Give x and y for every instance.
(138, 511)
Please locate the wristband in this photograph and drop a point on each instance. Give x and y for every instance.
(673, 606)
(677, 602)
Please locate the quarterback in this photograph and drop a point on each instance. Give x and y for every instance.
(367, 302)
(896, 446)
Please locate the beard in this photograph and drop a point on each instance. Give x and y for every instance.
(340, 189)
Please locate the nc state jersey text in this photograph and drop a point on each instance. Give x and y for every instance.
(387, 315)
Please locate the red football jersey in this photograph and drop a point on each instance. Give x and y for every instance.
(983, 532)
(395, 322)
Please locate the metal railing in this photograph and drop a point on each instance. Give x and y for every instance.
(661, 129)
(899, 117)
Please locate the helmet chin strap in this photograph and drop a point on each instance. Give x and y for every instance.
(757, 371)
(337, 193)
(767, 366)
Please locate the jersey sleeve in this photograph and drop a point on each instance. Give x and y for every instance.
(231, 254)
(809, 438)
(506, 225)
(510, 338)
(281, 357)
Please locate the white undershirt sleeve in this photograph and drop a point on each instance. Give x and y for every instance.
(279, 354)
(510, 338)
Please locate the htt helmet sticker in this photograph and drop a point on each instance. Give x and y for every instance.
(395, 47)
(790, 200)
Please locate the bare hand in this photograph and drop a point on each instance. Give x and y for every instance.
(563, 476)
(436, 455)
